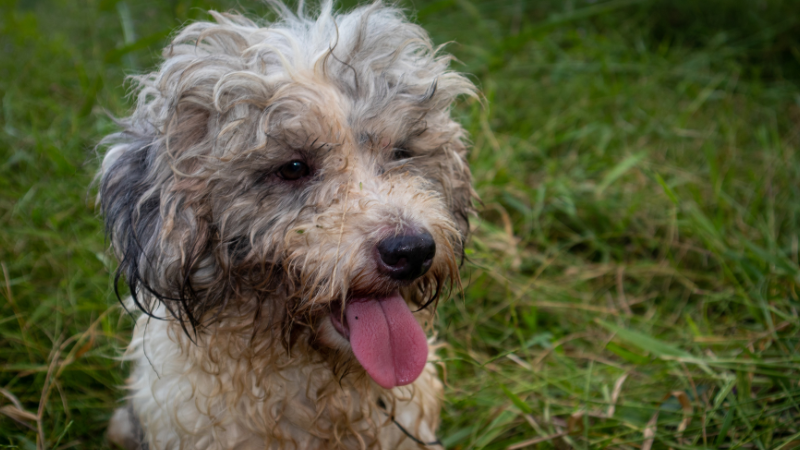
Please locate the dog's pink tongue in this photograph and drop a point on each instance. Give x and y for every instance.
(386, 340)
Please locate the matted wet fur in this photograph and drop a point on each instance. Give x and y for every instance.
(236, 266)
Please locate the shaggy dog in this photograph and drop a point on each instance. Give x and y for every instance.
(287, 202)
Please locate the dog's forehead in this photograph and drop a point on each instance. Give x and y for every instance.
(317, 112)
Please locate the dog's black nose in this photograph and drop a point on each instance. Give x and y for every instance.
(407, 257)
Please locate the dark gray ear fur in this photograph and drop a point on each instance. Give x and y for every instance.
(137, 197)
(131, 208)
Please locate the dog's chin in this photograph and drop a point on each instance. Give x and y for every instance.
(382, 333)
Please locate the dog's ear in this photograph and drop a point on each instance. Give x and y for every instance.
(151, 195)
(461, 196)
(130, 205)
(157, 175)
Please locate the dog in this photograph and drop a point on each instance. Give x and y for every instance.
(288, 201)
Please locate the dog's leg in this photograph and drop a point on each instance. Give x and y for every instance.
(125, 430)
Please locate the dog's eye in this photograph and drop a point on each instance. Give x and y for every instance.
(399, 154)
(294, 170)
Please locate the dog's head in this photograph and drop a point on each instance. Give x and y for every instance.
(310, 165)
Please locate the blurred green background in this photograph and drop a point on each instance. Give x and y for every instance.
(633, 278)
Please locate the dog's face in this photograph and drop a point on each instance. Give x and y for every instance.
(312, 166)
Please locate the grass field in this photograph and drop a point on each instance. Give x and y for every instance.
(633, 278)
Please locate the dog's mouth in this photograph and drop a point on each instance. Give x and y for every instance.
(384, 336)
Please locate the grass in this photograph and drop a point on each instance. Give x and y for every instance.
(633, 278)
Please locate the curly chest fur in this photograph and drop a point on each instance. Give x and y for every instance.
(194, 396)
